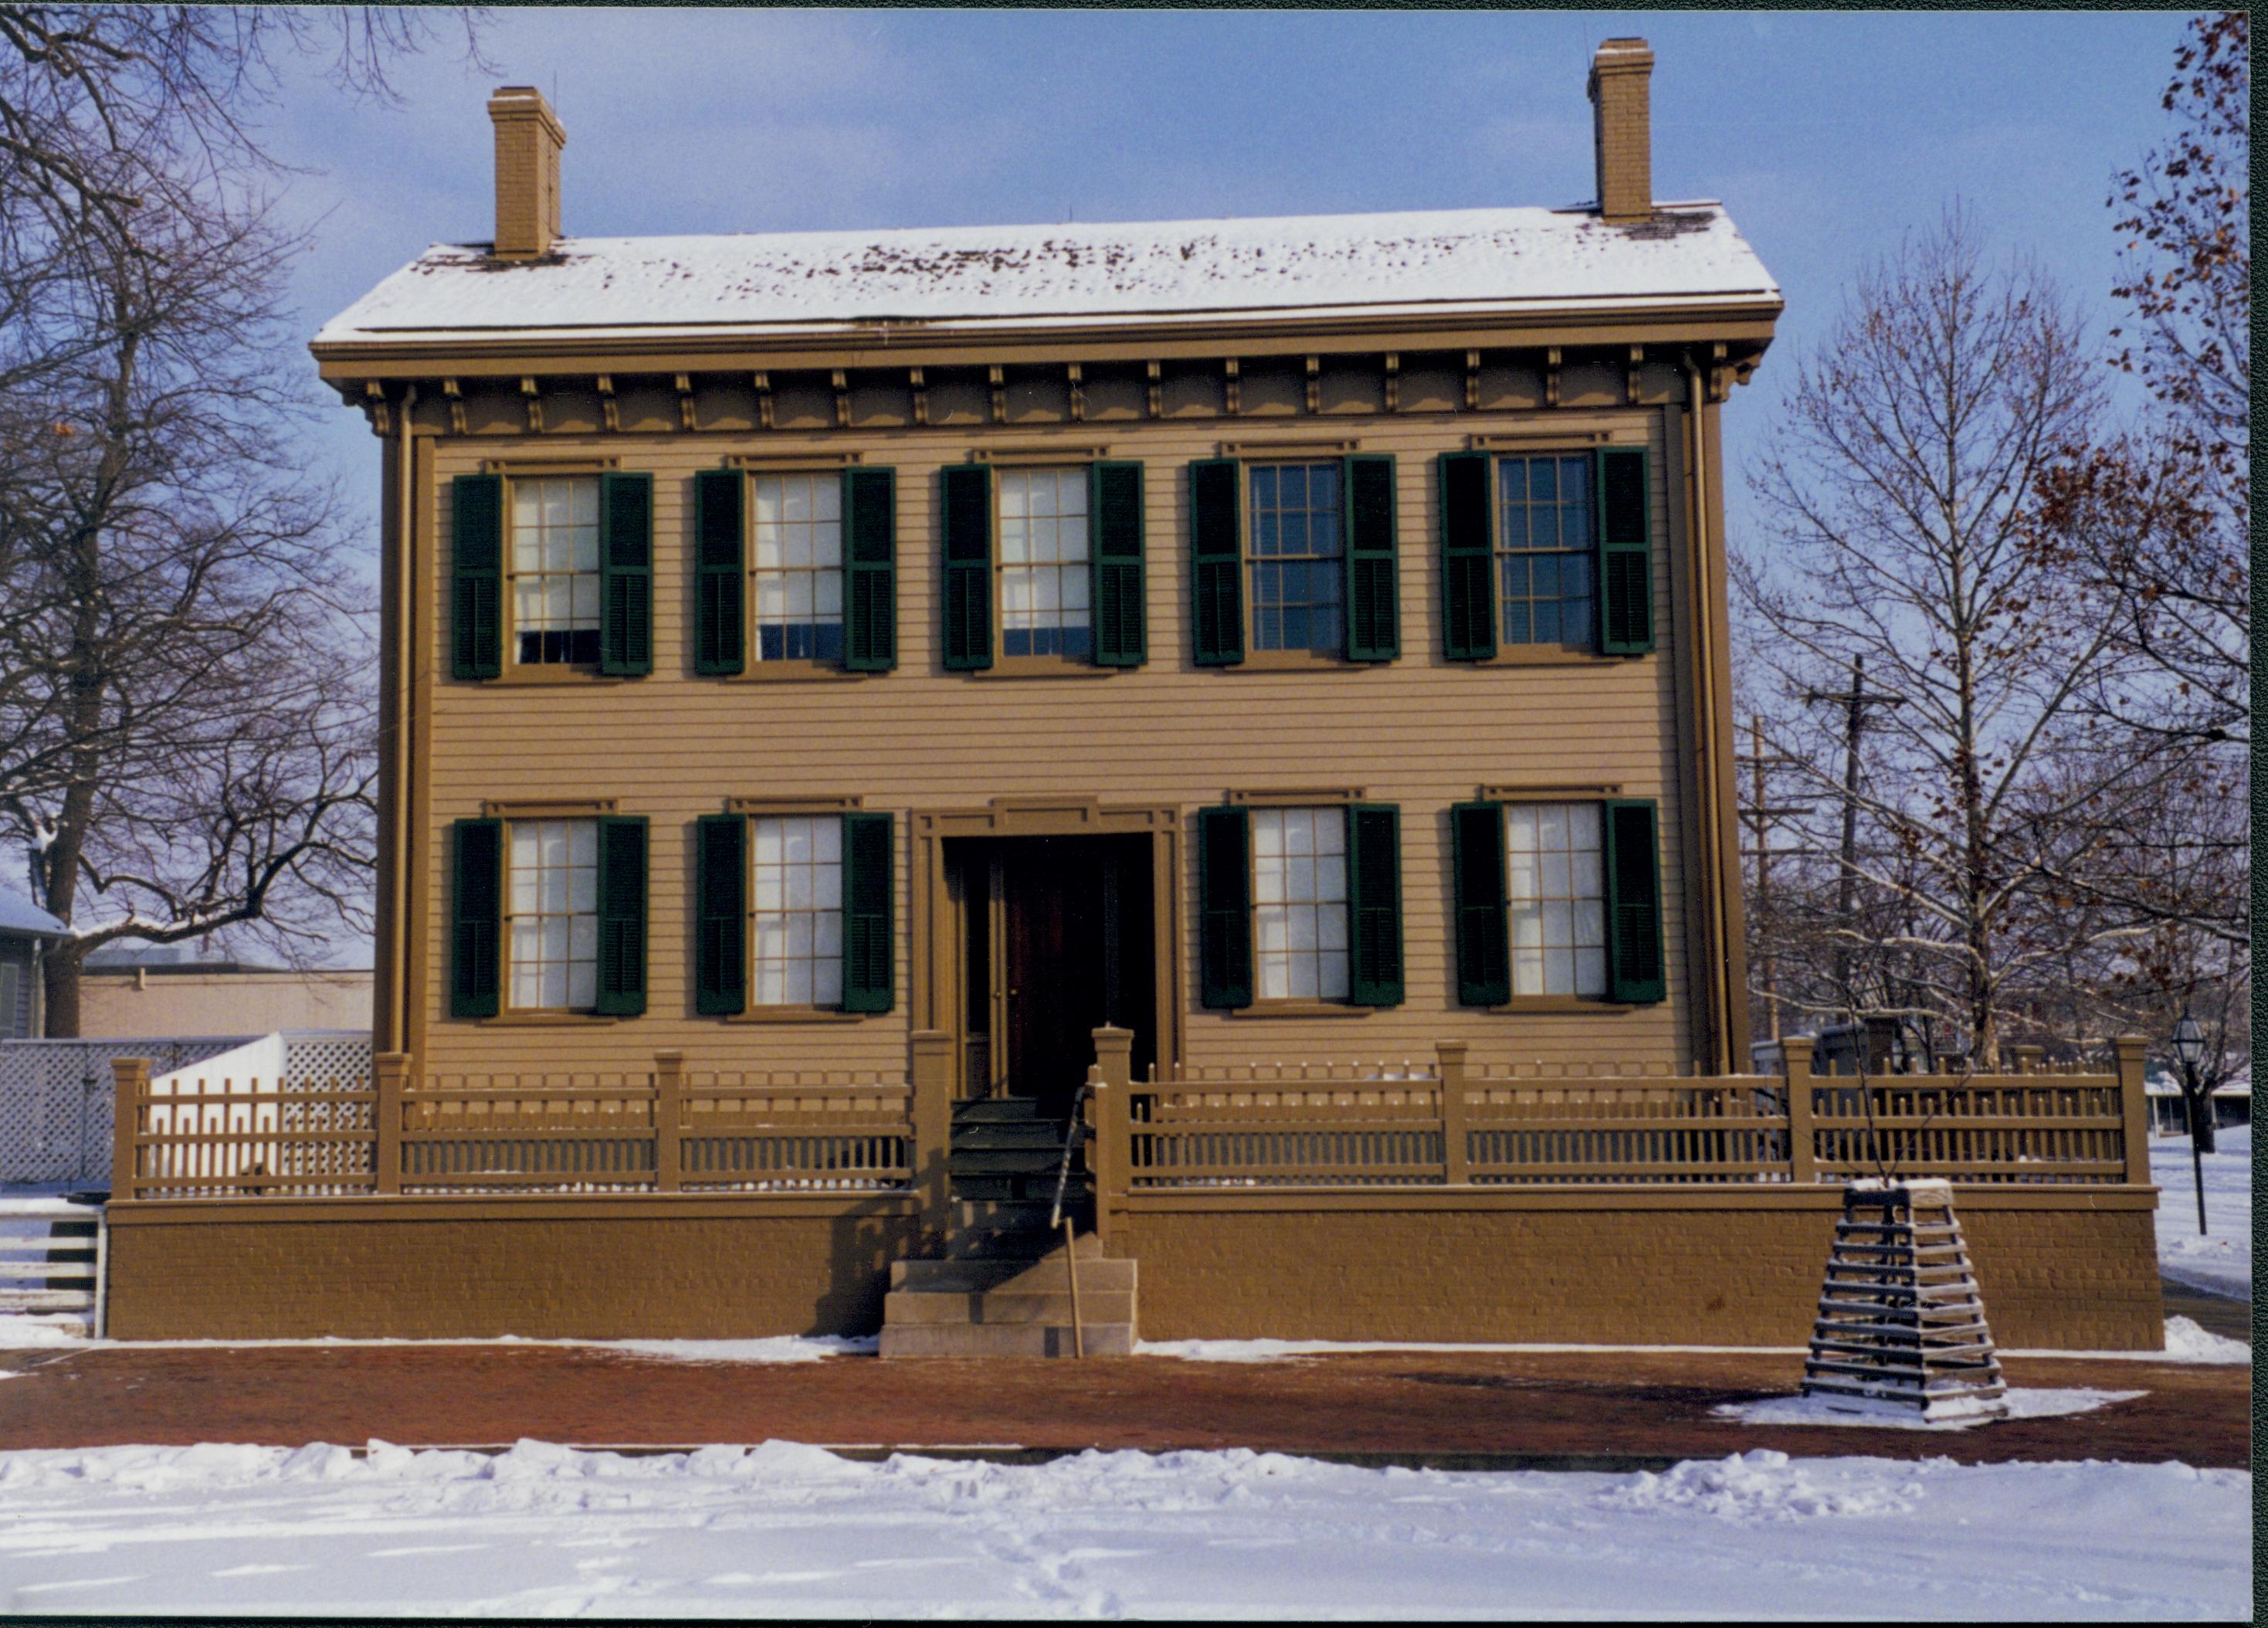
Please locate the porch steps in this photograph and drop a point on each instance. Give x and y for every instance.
(1004, 1149)
(1011, 1306)
(51, 1262)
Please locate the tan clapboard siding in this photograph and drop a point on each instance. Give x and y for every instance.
(1421, 733)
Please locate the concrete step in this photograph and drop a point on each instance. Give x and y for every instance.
(1042, 1275)
(1004, 1339)
(990, 1138)
(928, 1306)
(1024, 1161)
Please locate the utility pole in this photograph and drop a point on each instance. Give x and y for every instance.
(1855, 701)
(1759, 815)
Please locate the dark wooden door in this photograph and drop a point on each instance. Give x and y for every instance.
(1054, 979)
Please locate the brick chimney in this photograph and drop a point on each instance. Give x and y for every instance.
(1622, 128)
(528, 137)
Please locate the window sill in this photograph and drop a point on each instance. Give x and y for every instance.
(1302, 1009)
(529, 677)
(795, 1014)
(1566, 1006)
(1044, 666)
(1294, 661)
(544, 1019)
(791, 673)
(1545, 656)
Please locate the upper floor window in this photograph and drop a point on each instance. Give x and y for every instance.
(1044, 564)
(799, 567)
(1297, 558)
(1294, 557)
(555, 569)
(1545, 551)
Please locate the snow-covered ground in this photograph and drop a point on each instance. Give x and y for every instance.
(2221, 1261)
(789, 1529)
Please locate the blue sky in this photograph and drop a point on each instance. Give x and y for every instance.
(1828, 135)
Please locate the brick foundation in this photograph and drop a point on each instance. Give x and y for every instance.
(2077, 1270)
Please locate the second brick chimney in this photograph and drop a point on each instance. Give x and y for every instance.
(528, 137)
(1622, 128)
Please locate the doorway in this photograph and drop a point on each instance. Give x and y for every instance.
(1055, 939)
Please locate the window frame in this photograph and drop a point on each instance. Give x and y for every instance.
(748, 811)
(1003, 663)
(1535, 652)
(506, 1006)
(512, 669)
(1255, 657)
(753, 667)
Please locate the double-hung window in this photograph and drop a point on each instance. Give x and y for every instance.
(1293, 557)
(794, 569)
(1045, 564)
(796, 529)
(555, 571)
(1545, 552)
(547, 915)
(1299, 904)
(1556, 902)
(1042, 566)
(792, 912)
(551, 573)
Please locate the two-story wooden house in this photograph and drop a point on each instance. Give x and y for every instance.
(890, 657)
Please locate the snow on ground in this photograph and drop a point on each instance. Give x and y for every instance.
(2221, 1261)
(786, 1529)
(2036, 1401)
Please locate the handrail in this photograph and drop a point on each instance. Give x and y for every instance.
(1057, 1218)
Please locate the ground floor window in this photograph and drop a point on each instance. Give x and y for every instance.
(554, 921)
(1300, 903)
(798, 915)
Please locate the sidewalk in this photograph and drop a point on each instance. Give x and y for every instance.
(1603, 1411)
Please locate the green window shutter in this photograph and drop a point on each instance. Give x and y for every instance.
(1374, 616)
(1225, 908)
(1217, 565)
(967, 501)
(476, 917)
(626, 575)
(476, 581)
(621, 916)
(720, 945)
(1374, 841)
(869, 944)
(870, 569)
(1114, 509)
(720, 573)
(1634, 964)
(1483, 938)
(1467, 558)
(1625, 557)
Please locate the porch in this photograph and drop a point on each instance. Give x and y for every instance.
(1423, 1198)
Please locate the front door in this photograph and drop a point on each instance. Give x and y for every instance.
(1074, 950)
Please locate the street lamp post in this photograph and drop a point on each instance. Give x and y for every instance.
(2189, 1047)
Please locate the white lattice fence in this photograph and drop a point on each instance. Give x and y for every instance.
(56, 1095)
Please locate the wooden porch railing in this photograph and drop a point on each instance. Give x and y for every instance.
(1435, 1122)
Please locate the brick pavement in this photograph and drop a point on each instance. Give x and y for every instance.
(1546, 1408)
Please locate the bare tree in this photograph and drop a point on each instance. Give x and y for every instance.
(1898, 492)
(185, 698)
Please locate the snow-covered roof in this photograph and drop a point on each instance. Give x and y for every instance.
(1068, 275)
(19, 913)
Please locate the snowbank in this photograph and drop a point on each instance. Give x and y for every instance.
(2038, 1401)
(787, 1529)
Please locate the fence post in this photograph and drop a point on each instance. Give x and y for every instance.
(1113, 1090)
(129, 1079)
(1802, 1148)
(668, 1120)
(1456, 1165)
(389, 1072)
(930, 1080)
(2134, 1109)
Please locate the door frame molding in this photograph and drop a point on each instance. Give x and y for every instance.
(934, 981)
